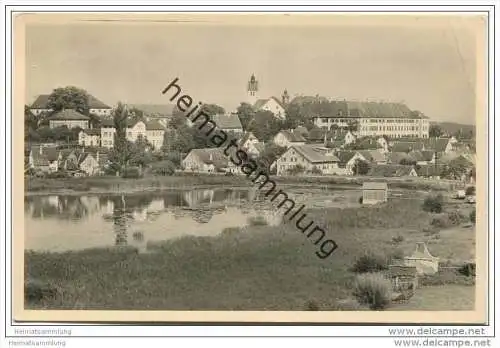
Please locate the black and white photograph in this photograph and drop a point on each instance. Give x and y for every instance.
(323, 164)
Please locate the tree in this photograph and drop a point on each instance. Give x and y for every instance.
(69, 98)
(246, 114)
(141, 152)
(163, 168)
(361, 167)
(265, 125)
(270, 154)
(213, 109)
(435, 131)
(407, 162)
(122, 150)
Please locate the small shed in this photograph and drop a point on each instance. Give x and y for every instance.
(423, 260)
(374, 192)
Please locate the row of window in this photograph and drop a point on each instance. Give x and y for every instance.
(373, 120)
(390, 128)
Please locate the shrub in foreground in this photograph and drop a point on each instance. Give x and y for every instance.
(468, 270)
(433, 204)
(163, 168)
(472, 216)
(373, 290)
(369, 263)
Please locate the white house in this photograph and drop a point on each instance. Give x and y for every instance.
(229, 123)
(88, 163)
(251, 144)
(272, 104)
(153, 131)
(44, 158)
(89, 137)
(311, 158)
(287, 138)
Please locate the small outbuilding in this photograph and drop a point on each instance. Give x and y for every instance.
(375, 192)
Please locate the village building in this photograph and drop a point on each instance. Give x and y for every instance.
(69, 118)
(96, 107)
(407, 146)
(369, 156)
(403, 277)
(161, 113)
(89, 137)
(271, 104)
(89, 163)
(375, 192)
(440, 145)
(44, 158)
(229, 123)
(392, 170)
(311, 158)
(287, 138)
(251, 144)
(430, 171)
(302, 131)
(383, 143)
(153, 131)
(377, 119)
(399, 158)
(209, 160)
(423, 260)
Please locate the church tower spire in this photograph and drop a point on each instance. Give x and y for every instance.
(252, 89)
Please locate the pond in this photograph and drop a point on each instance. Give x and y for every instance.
(70, 222)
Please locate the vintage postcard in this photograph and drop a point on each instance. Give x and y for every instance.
(245, 167)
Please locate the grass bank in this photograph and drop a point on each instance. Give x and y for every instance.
(252, 268)
(106, 184)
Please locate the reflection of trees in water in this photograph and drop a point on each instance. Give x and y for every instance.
(61, 207)
(119, 220)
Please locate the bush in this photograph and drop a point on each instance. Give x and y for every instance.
(163, 168)
(433, 204)
(35, 290)
(131, 173)
(315, 170)
(472, 216)
(369, 263)
(456, 217)
(397, 239)
(257, 221)
(373, 290)
(470, 191)
(360, 200)
(468, 270)
(441, 221)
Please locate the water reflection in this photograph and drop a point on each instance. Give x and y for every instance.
(133, 219)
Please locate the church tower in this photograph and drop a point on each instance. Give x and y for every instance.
(252, 89)
(285, 98)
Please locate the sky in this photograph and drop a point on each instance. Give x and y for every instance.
(428, 64)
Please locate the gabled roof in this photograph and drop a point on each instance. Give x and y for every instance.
(372, 155)
(369, 185)
(427, 155)
(42, 101)
(397, 157)
(315, 154)
(68, 114)
(213, 156)
(390, 170)
(302, 130)
(293, 137)
(261, 102)
(430, 170)
(436, 144)
(246, 136)
(154, 125)
(407, 146)
(227, 121)
(345, 156)
(417, 156)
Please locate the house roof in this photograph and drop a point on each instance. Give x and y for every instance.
(154, 125)
(436, 144)
(345, 156)
(213, 156)
(427, 155)
(68, 114)
(302, 130)
(407, 146)
(372, 155)
(378, 109)
(397, 157)
(92, 131)
(261, 102)
(227, 121)
(430, 170)
(315, 154)
(293, 137)
(417, 156)
(259, 146)
(246, 136)
(39, 159)
(390, 170)
(154, 110)
(367, 185)
(42, 101)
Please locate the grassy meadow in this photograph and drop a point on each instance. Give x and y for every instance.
(258, 267)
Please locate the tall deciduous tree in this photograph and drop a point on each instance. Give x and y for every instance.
(69, 97)
(435, 131)
(246, 114)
